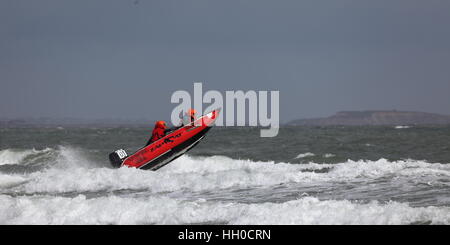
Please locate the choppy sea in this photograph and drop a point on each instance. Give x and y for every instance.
(305, 175)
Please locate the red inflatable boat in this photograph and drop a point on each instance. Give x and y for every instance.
(168, 148)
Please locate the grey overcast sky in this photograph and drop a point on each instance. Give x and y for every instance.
(124, 58)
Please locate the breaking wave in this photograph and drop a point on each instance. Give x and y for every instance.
(72, 171)
(115, 210)
(40, 197)
(402, 127)
(305, 155)
(17, 156)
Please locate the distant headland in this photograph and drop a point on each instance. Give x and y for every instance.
(359, 118)
(344, 118)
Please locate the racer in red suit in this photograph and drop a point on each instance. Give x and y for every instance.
(159, 131)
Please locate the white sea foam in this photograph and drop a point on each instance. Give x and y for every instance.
(7, 180)
(74, 172)
(164, 210)
(70, 157)
(304, 155)
(328, 155)
(71, 170)
(401, 127)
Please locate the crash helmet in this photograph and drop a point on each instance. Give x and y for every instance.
(160, 124)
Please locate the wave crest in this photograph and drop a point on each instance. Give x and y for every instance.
(163, 210)
(73, 171)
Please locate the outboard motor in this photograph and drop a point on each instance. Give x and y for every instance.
(116, 158)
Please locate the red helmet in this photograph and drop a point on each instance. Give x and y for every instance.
(191, 112)
(160, 124)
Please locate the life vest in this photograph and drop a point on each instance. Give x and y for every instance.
(158, 131)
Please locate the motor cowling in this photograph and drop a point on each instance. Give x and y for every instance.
(117, 157)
